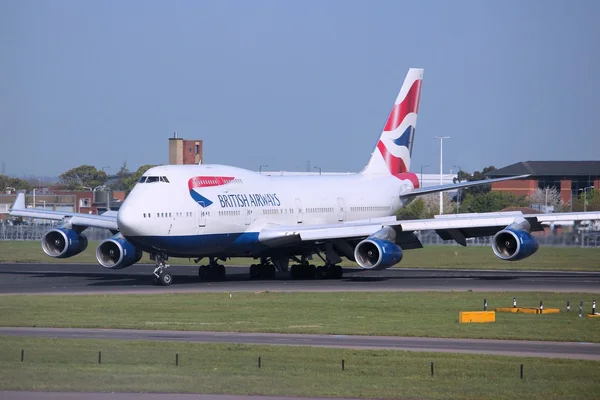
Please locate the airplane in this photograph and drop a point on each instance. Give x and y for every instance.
(218, 212)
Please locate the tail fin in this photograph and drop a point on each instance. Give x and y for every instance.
(394, 147)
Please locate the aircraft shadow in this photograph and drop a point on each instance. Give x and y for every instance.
(183, 277)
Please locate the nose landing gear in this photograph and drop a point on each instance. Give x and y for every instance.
(161, 275)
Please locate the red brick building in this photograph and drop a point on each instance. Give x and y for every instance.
(568, 177)
(184, 151)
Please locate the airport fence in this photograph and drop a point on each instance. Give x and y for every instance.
(428, 238)
(36, 231)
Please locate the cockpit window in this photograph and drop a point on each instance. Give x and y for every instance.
(152, 179)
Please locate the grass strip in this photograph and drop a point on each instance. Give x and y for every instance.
(430, 314)
(473, 257)
(138, 366)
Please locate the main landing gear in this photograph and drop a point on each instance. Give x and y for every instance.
(212, 272)
(264, 270)
(304, 270)
(161, 276)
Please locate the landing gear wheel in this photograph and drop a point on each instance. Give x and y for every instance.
(303, 271)
(165, 279)
(295, 272)
(219, 271)
(269, 271)
(203, 272)
(254, 272)
(320, 273)
(160, 274)
(262, 271)
(213, 272)
(336, 272)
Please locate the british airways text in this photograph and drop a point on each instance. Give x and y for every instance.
(249, 200)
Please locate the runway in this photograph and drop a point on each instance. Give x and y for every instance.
(91, 278)
(573, 350)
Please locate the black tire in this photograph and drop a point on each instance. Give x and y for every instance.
(320, 273)
(269, 272)
(220, 272)
(202, 272)
(165, 279)
(336, 272)
(295, 272)
(254, 272)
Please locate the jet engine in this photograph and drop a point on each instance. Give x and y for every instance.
(514, 242)
(117, 253)
(63, 243)
(378, 251)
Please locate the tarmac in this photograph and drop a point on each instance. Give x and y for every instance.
(92, 278)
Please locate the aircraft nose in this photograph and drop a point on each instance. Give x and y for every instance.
(127, 220)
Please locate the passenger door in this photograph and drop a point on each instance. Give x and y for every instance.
(201, 215)
(341, 209)
(298, 211)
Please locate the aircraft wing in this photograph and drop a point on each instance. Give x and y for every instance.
(107, 220)
(454, 186)
(448, 227)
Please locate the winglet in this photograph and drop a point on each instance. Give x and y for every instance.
(19, 203)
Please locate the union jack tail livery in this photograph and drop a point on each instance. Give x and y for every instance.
(394, 147)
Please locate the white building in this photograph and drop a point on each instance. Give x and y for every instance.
(427, 180)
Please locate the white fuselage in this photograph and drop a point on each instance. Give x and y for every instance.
(207, 209)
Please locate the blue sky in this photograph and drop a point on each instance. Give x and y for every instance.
(281, 82)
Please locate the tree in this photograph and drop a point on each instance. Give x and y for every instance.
(130, 181)
(591, 198)
(122, 175)
(463, 176)
(432, 203)
(414, 210)
(84, 175)
(16, 183)
(549, 196)
(492, 201)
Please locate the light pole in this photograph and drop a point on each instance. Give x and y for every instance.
(441, 138)
(33, 198)
(261, 167)
(423, 165)
(585, 196)
(319, 168)
(457, 194)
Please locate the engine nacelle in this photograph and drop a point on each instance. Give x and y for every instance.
(63, 243)
(375, 253)
(117, 253)
(514, 244)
